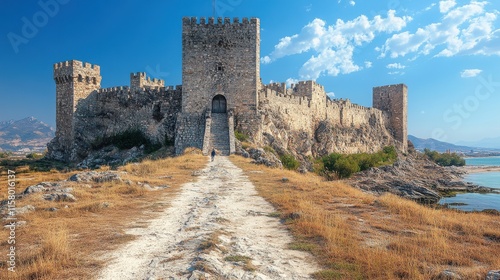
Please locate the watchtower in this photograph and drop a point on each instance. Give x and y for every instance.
(75, 80)
(220, 64)
(393, 100)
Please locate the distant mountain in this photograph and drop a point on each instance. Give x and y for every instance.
(28, 134)
(485, 143)
(436, 145)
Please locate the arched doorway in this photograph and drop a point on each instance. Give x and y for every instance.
(219, 104)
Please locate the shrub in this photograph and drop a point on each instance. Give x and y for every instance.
(289, 162)
(445, 159)
(242, 137)
(34, 156)
(269, 149)
(345, 165)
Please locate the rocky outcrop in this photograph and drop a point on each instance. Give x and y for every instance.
(261, 157)
(95, 177)
(416, 179)
(493, 275)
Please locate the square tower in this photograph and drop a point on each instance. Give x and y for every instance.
(220, 60)
(393, 100)
(75, 80)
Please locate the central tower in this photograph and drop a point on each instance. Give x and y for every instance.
(220, 59)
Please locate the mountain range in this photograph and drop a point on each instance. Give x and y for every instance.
(25, 135)
(440, 146)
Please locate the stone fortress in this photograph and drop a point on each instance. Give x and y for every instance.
(221, 93)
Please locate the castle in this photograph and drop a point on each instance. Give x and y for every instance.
(221, 93)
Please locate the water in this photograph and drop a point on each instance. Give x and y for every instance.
(476, 201)
(483, 161)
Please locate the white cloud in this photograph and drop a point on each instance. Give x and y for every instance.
(334, 45)
(265, 60)
(469, 73)
(430, 7)
(468, 29)
(395, 66)
(331, 94)
(368, 64)
(291, 81)
(352, 3)
(396, 73)
(446, 5)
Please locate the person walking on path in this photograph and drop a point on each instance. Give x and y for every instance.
(213, 154)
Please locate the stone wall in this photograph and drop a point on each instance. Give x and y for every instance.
(220, 57)
(139, 80)
(301, 119)
(393, 100)
(87, 113)
(190, 132)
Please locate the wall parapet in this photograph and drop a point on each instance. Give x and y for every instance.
(218, 21)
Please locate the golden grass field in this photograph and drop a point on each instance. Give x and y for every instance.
(353, 235)
(68, 243)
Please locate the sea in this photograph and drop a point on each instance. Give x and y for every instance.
(476, 201)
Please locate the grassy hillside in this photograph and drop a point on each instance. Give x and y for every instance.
(68, 243)
(355, 235)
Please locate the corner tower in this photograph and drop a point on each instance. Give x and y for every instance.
(393, 100)
(220, 58)
(75, 80)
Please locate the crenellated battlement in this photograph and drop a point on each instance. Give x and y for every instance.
(218, 21)
(155, 90)
(74, 71)
(140, 80)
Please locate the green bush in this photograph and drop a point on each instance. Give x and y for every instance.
(269, 149)
(289, 162)
(34, 156)
(343, 166)
(346, 166)
(444, 159)
(242, 137)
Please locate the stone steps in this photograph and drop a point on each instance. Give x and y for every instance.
(219, 133)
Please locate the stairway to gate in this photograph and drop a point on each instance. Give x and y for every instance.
(219, 133)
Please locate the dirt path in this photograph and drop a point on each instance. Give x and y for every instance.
(221, 206)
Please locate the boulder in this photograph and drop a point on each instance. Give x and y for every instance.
(94, 176)
(493, 275)
(60, 197)
(448, 275)
(25, 209)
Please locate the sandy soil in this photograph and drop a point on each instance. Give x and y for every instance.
(221, 204)
(479, 169)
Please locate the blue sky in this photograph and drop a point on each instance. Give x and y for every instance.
(447, 52)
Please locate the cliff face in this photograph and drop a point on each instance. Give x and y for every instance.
(343, 128)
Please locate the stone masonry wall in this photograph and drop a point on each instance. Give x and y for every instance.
(139, 80)
(74, 80)
(220, 57)
(393, 100)
(87, 113)
(306, 121)
(108, 112)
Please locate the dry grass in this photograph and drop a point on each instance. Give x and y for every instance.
(69, 243)
(355, 235)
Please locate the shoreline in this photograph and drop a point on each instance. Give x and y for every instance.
(471, 169)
